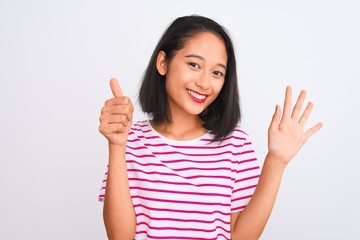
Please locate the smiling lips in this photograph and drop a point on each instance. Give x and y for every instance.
(197, 97)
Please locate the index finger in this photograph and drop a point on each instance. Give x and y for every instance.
(115, 88)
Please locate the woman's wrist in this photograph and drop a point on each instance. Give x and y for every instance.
(116, 150)
(276, 161)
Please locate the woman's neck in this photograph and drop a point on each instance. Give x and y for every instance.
(181, 128)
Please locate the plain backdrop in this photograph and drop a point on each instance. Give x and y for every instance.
(56, 60)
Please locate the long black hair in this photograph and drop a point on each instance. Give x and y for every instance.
(223, 114)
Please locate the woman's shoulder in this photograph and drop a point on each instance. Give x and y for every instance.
(238, 135)
(240, 131)
(140, 127)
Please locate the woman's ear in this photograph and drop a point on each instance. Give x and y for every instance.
(161, 64)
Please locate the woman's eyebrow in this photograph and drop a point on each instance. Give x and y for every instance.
(203, 59)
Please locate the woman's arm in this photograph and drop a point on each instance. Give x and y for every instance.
(286, 137)
(119, 214)
(250, 223)
(115, 123)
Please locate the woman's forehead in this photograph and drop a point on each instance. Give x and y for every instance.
(207, 45)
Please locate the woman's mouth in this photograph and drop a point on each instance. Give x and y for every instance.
(197, 97)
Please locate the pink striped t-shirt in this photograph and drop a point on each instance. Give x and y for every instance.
(188, 189)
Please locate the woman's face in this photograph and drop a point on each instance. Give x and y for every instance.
(195, 75)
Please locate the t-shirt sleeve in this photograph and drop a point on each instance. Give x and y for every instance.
(101, 196)
(246, 176)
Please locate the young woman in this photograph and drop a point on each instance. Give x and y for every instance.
(190, 171)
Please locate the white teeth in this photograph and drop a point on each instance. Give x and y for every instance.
(196, 95)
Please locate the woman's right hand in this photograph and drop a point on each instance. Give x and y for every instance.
(116, 116)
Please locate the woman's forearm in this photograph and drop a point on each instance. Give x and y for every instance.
(119, 214)
(286, 136)
(252, 220)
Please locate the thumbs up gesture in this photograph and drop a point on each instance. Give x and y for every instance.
(116, 116)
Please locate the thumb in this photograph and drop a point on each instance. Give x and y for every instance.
(115, 88)
(276, 118)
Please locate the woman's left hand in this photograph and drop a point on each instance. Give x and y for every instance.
(286, 133)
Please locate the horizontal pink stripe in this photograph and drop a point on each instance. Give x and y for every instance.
(247, 178)
(156, 145)
(238, 208)
(248, 160)
(137, 148)
(139, 129)
(182, 220)
(247, 169)
(180, 169)
(183, 229)
(180, 160)
(246, 152)
(133, 140)
(203, 169)
(203, 155)
(187, 169)
(177, 237)
(241, 198)
(197, 147)
(141, 125)
(231, 137)
(181, 192)
(244, 188)
(173, 174)
(141, 156)
(199, 161)
(180, 183)
(183, 202)
(148, 137)
(181, 211)
(213, 147)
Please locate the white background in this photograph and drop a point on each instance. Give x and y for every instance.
(56, 58)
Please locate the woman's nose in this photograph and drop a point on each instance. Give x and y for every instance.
(203, 81)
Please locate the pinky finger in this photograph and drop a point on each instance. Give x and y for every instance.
(314, 129)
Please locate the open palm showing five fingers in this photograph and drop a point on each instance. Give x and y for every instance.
(286, 133)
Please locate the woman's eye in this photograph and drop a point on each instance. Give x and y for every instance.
(194, 65)
(218, 73)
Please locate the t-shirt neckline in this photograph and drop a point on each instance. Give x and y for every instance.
(178, 142)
